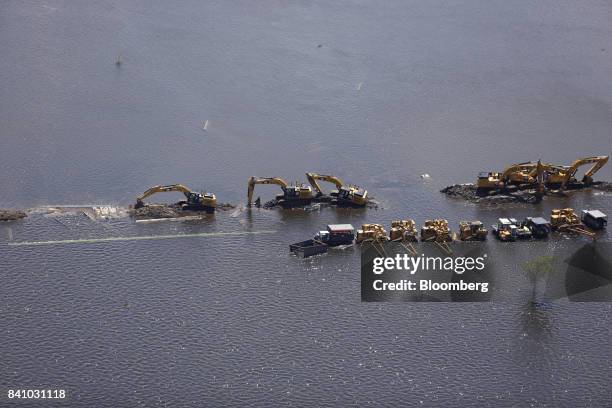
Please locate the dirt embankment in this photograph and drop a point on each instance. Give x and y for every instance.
(470, 193)
(11, 215)
(176, 210)
(316, 204)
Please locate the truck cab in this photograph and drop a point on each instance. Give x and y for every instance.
(505, 230)
(539, 227)
(522, 232)
(337, 234)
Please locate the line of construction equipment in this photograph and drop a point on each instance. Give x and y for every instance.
(293, 194)
(438, 231)
(537, 175)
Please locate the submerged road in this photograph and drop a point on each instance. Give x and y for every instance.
(136, 238)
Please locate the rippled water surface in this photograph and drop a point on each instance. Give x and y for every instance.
(376, 93)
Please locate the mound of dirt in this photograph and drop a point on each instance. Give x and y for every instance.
(172, 210)
(325, 201)
(225, 206)
(517, 194)
(470, 193)
(11, 215)
(465, 191)
(157, 211)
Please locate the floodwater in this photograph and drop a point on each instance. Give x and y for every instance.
(377, 94)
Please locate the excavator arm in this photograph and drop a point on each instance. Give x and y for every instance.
(562, 175)
(314, 177)
(598, 163)
(162, 189)
(263, 180)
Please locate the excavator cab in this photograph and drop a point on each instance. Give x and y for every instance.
(343, 195)
(194, 201)
(197, 200)
(351, 195)
(293, 194)
(298, 192)
(487, 180)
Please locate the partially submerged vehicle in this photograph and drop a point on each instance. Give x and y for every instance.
(472, 231)
(403, 230)
(308, 248)
(566, 220)
(371, 232)
(337, 234)
(505, 230)
(436, 230)
(334, 235)
(594, 219)
(539, 227)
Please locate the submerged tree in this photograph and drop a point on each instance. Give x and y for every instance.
(537, 270)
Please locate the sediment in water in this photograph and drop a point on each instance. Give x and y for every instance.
(319, 201)
(11, 215)
(172, 210)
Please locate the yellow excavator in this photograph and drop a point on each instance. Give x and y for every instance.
(562, 175)
(293, 194)
(531, 173)
(519, 173)
(195, 201)
(345, 195)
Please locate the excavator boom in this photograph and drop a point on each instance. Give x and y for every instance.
(598, 163)
(196, 200)
(263, 180)
(314, 177)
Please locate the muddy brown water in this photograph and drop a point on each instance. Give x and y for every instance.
(378, 94)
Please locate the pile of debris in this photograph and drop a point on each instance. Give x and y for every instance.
(470, 193)
(516, 194)
(318, 202)
(157, 211)
(11, 215)
(152, 211)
